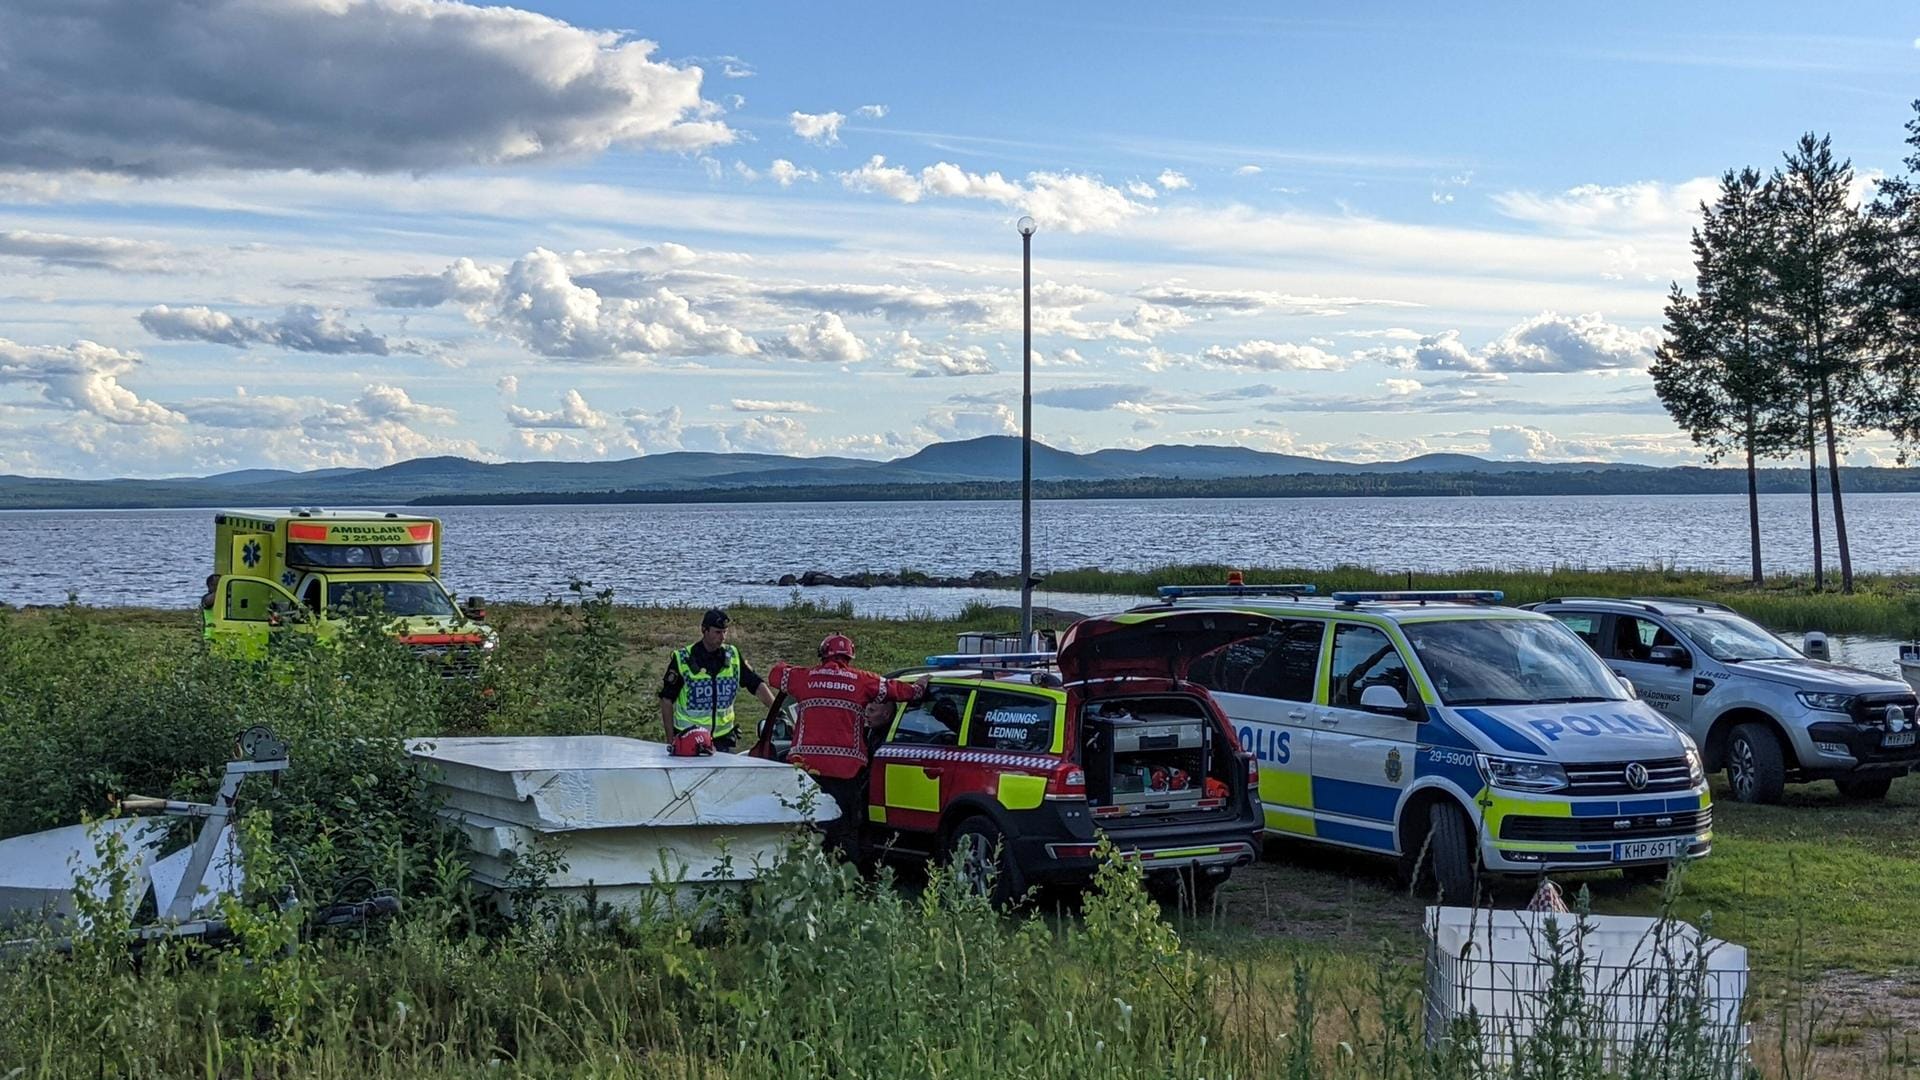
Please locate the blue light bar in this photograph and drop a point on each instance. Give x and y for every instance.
(1423, 596)
(1175, 592)
(988, 660)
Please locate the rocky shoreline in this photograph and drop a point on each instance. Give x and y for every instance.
(979, 579)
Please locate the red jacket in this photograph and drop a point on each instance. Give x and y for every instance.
(829, 731)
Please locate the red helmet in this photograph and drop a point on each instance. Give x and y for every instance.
(839, 645)
(693, 742)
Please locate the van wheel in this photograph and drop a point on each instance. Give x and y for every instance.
(1756, 767)
(1865, 790)
(982, 862)
(1451, 853)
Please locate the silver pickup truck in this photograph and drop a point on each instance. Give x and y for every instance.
(1752, 703)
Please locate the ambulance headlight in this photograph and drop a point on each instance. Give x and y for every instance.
(1517, 774)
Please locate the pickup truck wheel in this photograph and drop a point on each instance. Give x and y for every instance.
(1450, 853)
(983, 863)
(1865, 789)
(1756, 767)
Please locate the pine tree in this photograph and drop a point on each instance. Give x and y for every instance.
(1818, 307)
(1716, 371)
(1889, 258)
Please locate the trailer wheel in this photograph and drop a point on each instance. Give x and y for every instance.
(982, 860)
(1451, 853)
(1756, 767)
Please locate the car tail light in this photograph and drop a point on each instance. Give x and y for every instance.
(1067, 778)
(1253, 771)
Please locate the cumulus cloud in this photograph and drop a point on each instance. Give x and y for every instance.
(83, 377)
(1262, 355)
(972, 421)
(573, 413)
(667, 429)
(301, 328)
(245, 411)
(821, 128)
(1548, 342)
(824, 339)
(928, 360)
(1248, 170)
(1070, 201)
(1525, 443)
(537, 302)
(372, 86)
(1173, 181)
(873, 112)
(81, 252)
(786, 173)
(1142, 189)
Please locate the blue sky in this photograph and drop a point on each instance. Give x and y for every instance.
(349, 232)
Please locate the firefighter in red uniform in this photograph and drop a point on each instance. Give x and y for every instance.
(830, 728)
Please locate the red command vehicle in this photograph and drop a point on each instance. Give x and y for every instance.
(1015, 773)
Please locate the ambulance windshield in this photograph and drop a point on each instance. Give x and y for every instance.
(389, 597)
(1510, 662)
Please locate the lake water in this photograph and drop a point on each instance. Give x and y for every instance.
(698, 555)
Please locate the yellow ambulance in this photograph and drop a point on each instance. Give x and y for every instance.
(314, 569)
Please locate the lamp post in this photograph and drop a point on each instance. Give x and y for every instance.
(1026, 225)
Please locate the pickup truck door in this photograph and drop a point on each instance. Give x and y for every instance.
(1666, 687)
(246, 611)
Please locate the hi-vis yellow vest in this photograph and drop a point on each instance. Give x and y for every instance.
(706, 699)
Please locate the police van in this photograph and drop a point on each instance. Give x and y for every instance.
(1440, 728)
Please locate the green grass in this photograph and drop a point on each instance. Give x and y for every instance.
(101, 703)
(1885, 605)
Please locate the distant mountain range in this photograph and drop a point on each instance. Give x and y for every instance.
(979, 464)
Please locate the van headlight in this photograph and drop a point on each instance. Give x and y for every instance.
(1696, 772)
(1518, 774)
(1825, 702)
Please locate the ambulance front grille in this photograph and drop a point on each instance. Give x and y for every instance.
(1610, 777)
(457, 662)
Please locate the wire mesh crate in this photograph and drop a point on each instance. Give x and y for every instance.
(1622, 992)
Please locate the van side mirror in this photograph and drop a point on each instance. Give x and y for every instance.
(475, 609)
(1669, 656)
(1383, 699)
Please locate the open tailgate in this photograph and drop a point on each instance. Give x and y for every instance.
(1150, 644)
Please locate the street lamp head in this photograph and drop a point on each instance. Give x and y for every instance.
(1027, 226)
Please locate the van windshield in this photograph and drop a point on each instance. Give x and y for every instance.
(389, 597)
(1510, 662)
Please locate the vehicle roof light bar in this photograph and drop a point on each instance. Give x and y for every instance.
(1422, 596)
(990, 660)
(1175, 592)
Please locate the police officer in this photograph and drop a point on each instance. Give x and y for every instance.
(701, 682)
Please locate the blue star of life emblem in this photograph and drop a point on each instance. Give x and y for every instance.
(250, 554)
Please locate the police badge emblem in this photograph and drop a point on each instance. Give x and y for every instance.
(1393, 765)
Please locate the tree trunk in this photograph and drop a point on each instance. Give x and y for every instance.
(1753, 503)
(1813, 490)
(1833, 475)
